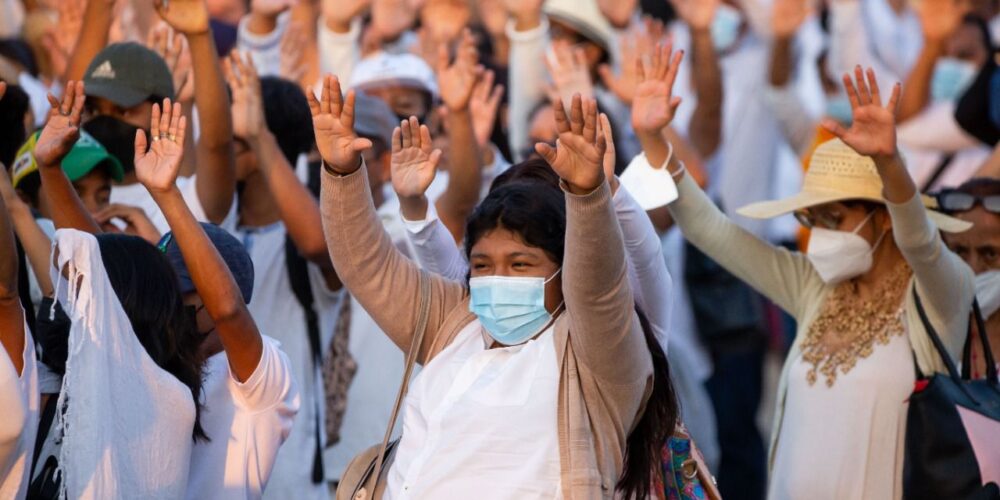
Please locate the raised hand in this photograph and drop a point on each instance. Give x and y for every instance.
(526, 13)
(333, 123)
(483, 107)
(610, 155)
(248, 110)
(640, 39)
(578, 156)
(570, 73)
(293, 65)
(136, 221)
(788, 16)
(873, 131)
(158, 167)
(457, 81)
(940, 18)
(272, 7)
(698, 14)
(654, 105)
(414, 159)
(62, 128)
(618, 12)
(172, 47)
(391, 18)
(186, 16)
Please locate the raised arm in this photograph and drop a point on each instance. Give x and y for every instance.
(97, 19)
(56, 140)
(706, 122)
(943, 280)
(604, 330)
(939, 20)
(37, 245)
(157, 170)
(796, 125)
(457, 82)
(385, 282)
(528, 34)
(216, 167)
(11, 314)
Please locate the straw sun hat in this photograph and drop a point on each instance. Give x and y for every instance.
(837, 173)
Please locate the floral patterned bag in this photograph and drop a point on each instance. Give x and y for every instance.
(685, 475)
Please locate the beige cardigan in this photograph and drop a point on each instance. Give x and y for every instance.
(943, 280)
(606, 369)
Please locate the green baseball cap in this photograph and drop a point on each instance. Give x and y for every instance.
(127, 74)
(86, 155)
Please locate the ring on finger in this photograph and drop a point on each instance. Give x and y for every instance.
(172, 137)
(156, 138)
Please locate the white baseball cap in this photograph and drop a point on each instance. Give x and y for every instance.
(383, 69)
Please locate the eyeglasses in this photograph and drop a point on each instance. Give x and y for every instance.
(951, 201)
(810, 219)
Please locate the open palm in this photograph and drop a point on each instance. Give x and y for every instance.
(578, 156)
(158, 167)
(414, 161)
(457, 81)
(873, 131)
(333, 124)
(62, 128)
(654, 106)
(187, 16)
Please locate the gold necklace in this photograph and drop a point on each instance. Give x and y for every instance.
(848, 327)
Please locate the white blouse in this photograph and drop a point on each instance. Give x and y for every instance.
(861, 417)
(481, 423)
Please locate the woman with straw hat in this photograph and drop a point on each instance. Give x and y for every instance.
(841, 406)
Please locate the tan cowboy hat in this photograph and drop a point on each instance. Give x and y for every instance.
(837, 173)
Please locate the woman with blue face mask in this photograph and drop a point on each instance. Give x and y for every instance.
(537, 372)
(840, 417)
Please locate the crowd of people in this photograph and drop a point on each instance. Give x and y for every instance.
(228, 228)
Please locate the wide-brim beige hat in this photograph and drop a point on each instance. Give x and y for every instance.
(837, 173)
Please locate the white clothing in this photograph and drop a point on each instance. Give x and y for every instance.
(872, 34)
(264, 49)
(481, 423)
(862, 416)
(928, 138)
(246, 424)
(526, 80)
(136, 195)
(380, 368)
(127, 424)
(19, 399)
(276, 311)
(38, 95)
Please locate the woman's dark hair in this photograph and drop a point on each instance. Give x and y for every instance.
(533, 210)
(287, 114)
(982, 27)
(530, 170)
(13, 107)
(148, 290)
(643, 449)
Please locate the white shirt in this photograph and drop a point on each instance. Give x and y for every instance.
(19, 400)
(927, 139)
(482, 423)
(246, 423)
(136, 195)
(845, 441)
(276, 311)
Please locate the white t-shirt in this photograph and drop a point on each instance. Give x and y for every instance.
(277, 312)
(136, 195)
(482, 423)
(246, 424)
(19, 423)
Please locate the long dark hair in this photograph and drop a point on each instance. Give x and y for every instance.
(643, 449)
(528, 203)
(148, 290)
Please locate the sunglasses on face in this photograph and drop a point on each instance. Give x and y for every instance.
(951, 201)
(826, 219)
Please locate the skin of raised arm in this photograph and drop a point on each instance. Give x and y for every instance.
(11, 314)
(706, 122)
(97, 18)
(55, 142)
(158, 170)
(36, 243)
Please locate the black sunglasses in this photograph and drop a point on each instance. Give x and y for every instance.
(952, 201)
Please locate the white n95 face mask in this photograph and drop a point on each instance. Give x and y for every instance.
(840, 255)
(988, 292)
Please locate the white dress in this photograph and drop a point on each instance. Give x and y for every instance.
(19, 421)
(845, 441)
(481, 423)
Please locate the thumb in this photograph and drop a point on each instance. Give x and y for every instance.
(548, 153)
(834, 128)
(435, 158)
(140, 145)
(360, 144)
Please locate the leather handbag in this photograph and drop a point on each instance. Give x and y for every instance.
(685, 474)
(366, 474)
(953, 426)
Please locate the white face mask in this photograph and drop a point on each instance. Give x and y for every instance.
(841, 255)
(988, 292)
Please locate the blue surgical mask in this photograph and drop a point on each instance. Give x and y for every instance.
(726, 27)
(838, 107)
(951, 78)
(511, 309)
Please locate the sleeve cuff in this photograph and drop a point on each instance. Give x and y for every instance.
(530, 35)
(255, 42)
(650, 187)
(418, 226)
